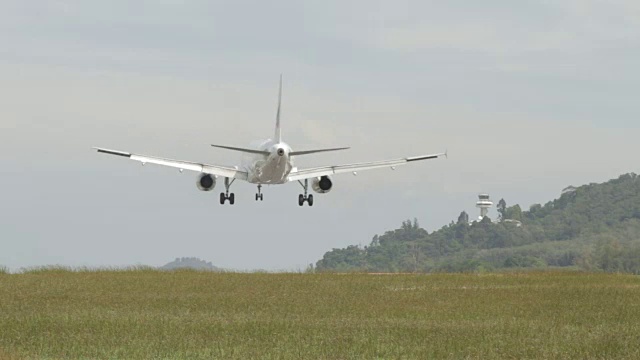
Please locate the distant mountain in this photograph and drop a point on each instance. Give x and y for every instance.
(190, 263)
(592, 227)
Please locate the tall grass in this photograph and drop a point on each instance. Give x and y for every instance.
(59, 314)
(60, 269)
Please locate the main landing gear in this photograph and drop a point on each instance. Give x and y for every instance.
(304, 197)
(259, 195)
(225, 195)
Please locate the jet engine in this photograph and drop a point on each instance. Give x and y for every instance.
(322, 185)
(206, 182)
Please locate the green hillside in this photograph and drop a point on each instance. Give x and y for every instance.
(593, 227)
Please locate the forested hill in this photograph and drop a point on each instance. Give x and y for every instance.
(595, 226)
(189, 263)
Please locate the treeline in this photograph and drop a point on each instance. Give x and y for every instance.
(189, 263)
(593, 227)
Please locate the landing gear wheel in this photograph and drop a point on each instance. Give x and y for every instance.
(304, 197)
(261, 197)
(225, 195)
(257, 197)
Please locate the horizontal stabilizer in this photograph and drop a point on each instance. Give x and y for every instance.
(307, 152)
(251, 151)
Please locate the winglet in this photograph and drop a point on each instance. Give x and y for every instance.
(278, 134)
(112, 152)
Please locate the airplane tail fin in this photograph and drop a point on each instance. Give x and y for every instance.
(278, 134)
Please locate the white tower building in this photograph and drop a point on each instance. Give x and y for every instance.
(484, 203)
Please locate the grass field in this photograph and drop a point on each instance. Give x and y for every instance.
(142, 314)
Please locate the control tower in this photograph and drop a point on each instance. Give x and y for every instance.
(484, 203)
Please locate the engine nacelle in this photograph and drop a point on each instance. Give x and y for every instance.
(322, 185)
(206, 182)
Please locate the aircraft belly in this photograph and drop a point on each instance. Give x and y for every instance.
(269, 172)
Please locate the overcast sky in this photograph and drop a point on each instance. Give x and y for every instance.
(528, 97)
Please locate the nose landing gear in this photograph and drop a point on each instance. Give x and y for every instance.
(259, 195)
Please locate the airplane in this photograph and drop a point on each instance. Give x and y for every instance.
(269, 162)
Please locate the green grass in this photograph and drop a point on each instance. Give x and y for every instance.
(143, 314)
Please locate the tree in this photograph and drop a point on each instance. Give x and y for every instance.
(406, 225)
(463, 218)
(502, 207)
(514, 213)
(349, 259)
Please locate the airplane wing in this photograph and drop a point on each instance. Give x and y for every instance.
(183, 165)
(338, 169)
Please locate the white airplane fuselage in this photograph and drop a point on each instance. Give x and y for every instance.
(268, 169)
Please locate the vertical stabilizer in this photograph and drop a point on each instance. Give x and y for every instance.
(278, 135)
